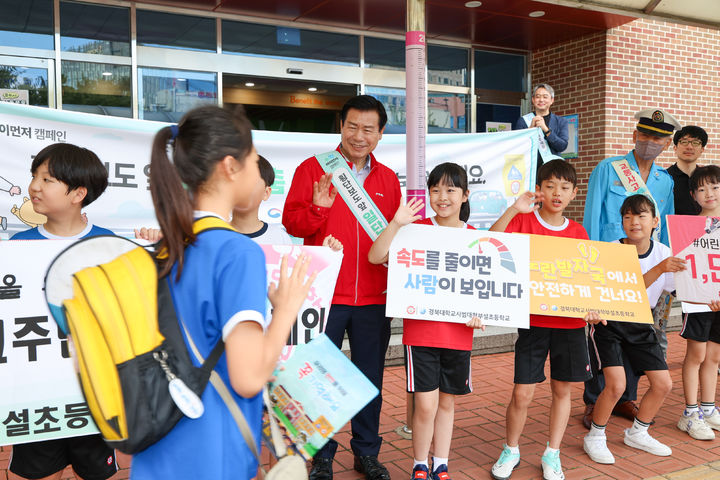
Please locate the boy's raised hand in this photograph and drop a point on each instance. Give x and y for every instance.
(593, 318)
(672, 264)
(323, 192)
(475, 322)
(528, 202)
(407, 214)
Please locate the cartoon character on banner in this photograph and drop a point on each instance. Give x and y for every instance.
(7, 186)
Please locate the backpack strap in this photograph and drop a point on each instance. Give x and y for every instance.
(203, 224)
(224, 393)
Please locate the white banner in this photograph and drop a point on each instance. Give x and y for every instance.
(451, 275)
(500, 165)
(41, 397)
(696, 240)
(313, 314)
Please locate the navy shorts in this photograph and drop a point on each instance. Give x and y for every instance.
(567, 347)
(89, 456)
(701, 327)
(638, 341)
(432, 368)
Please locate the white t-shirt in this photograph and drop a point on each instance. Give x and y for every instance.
(665, 282)
(271, 234)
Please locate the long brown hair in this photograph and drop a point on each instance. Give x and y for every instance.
(203, 137)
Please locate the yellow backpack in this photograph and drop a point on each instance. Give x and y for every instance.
(135, 369)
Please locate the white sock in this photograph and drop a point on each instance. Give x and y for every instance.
(639, 426)
(597, 430)
(514, 450)
(549, 450)
(437, 461)
(707, 408)
(420, 462)
(690, 409)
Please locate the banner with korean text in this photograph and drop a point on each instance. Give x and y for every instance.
(696, 240)
(451, 275)
(569, 277)
(500, 165)
(313, 314)
(41, 397)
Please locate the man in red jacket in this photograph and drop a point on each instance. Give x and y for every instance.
(312, 211)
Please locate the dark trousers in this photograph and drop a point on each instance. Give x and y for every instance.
(596, 384)
(368, 330)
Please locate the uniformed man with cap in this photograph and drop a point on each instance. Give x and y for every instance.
(610, 182)
(608, 187)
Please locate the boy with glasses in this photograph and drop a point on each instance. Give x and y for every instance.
(690, 144)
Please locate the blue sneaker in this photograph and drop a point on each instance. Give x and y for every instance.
(502, 470)
(441, 473)
(420, 472)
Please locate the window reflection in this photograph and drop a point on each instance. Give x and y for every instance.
(94, 29)
(165, 95)
(34, 80)
(96, 88)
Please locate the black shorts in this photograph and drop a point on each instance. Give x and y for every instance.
(430, 368)
(89, 456)
(637, 340)
(569, 360)
(701, 327)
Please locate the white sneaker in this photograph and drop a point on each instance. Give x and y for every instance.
(551, 467)
(696, 427)
(596, 448)
(713, 420)
(502, 470)
(643, 441)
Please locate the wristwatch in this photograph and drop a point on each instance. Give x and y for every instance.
(547, 134)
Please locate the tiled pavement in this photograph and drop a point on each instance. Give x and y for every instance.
(480, 427)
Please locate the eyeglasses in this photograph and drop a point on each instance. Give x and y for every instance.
(694, 143)
(542, 97)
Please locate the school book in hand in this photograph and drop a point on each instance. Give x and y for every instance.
(316, 392)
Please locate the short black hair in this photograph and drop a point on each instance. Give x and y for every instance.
(692, 131)
(637, 204)
(75, 167)
(703, 175)
(559, 169)
(365, 103)
(267, 173)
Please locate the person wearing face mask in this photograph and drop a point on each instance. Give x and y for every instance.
(612, 180)
(618, 177)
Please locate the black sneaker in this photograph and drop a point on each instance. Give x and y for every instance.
(371, 467)
(322, 469)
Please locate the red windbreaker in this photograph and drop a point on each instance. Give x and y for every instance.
(359, 282)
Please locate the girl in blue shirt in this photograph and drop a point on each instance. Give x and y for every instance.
(218, 286)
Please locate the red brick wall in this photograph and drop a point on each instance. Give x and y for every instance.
(607, 77)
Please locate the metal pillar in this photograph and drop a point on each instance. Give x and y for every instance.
(415, 99)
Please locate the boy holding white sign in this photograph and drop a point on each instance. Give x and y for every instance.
(541, 213)
(637, 342)
(437, 354)
(702, 331)
(65, 179)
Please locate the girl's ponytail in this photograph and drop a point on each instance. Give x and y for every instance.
(173, 208)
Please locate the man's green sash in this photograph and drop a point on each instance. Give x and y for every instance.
(355, 196)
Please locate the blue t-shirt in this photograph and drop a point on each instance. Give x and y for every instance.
(222, 284)
(39, 233)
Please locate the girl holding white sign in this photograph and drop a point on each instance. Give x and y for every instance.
(437, 354)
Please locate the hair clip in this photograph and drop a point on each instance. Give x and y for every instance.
(175, 130)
